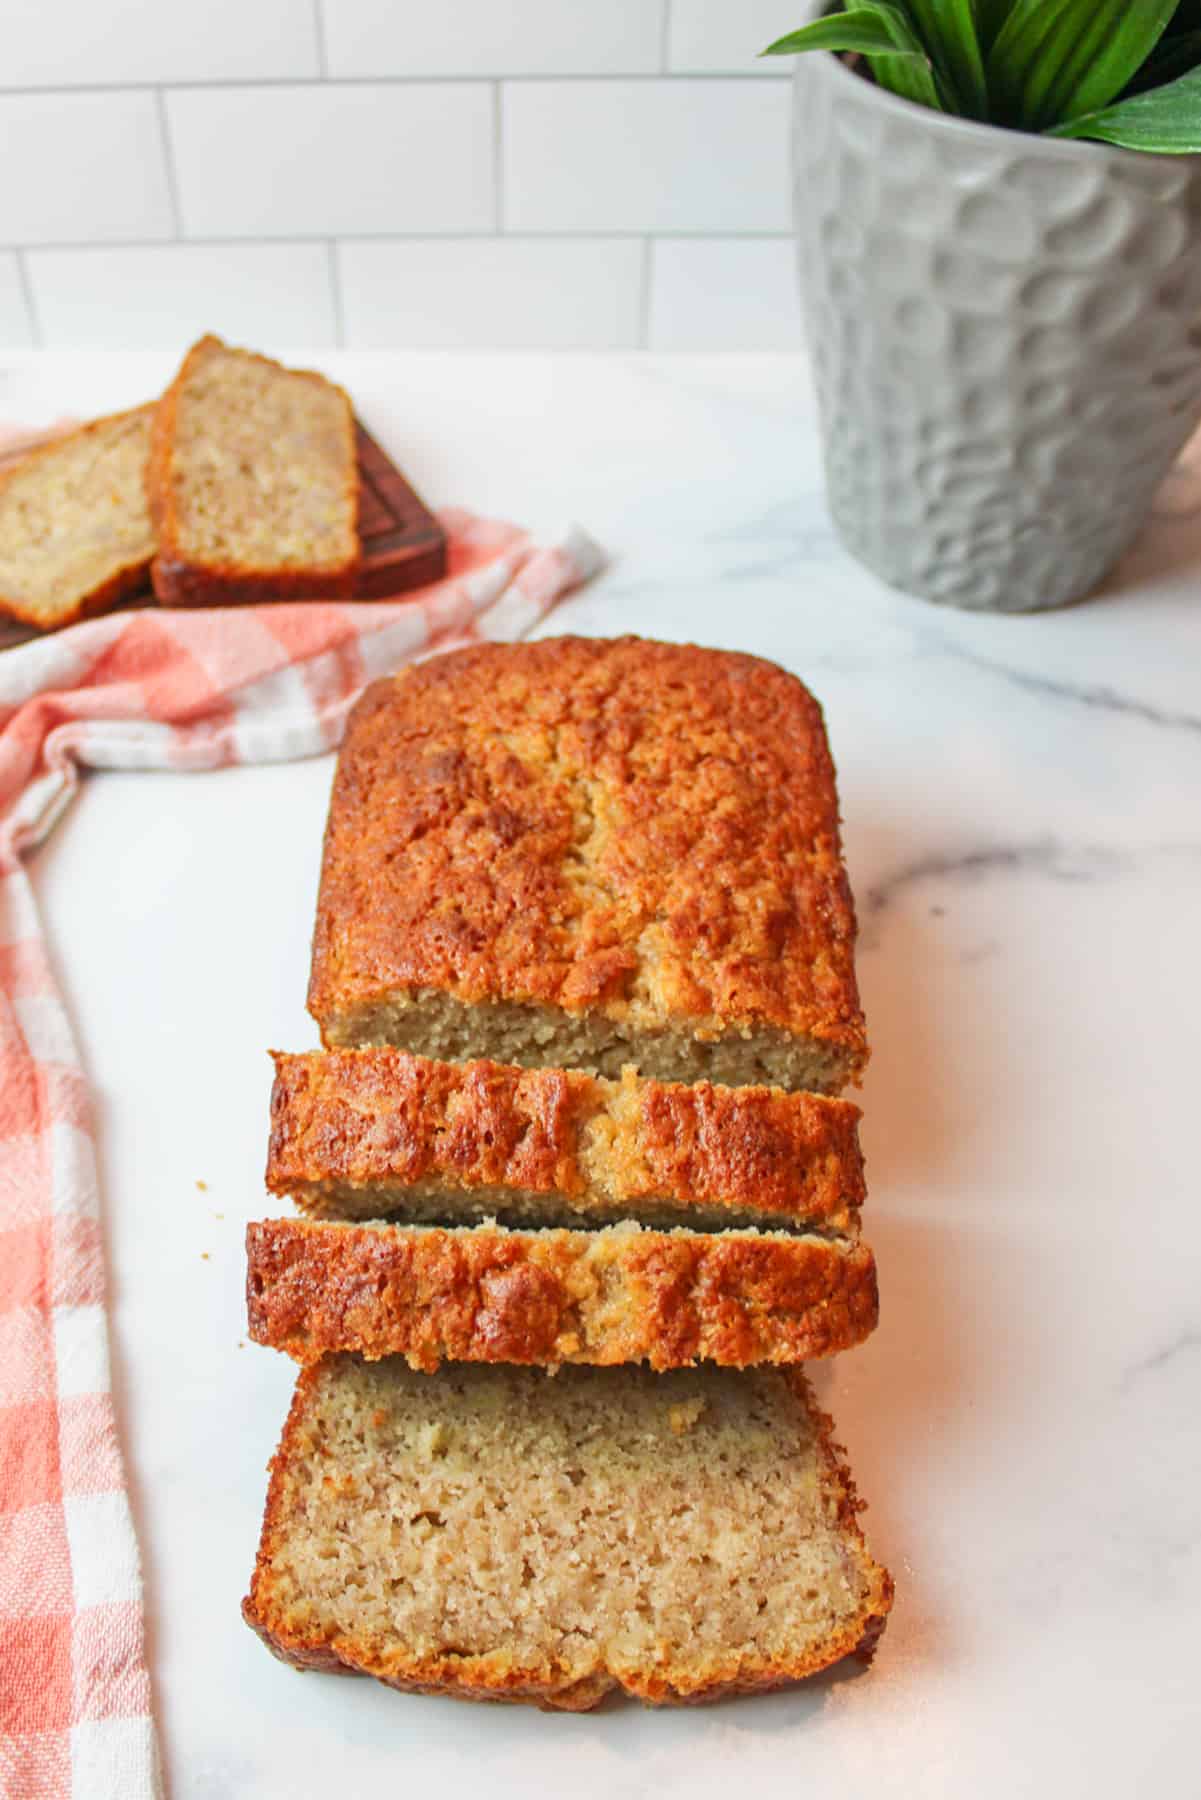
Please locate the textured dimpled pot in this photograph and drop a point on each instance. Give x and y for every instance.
(1006, 340)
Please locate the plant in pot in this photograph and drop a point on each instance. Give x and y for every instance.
(998, 208)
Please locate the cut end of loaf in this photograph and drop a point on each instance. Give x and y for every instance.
(496, 1534)
(440, 1024)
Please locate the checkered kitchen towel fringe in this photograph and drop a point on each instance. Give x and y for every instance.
(150, 689)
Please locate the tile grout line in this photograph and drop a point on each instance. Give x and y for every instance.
(75, 246)
(498, 157)
(335, 288)
(164, 132)
(319, 31)
(31, 310)
(699, 78)
(644, 292)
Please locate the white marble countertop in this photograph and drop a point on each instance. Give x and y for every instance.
(1023, 827)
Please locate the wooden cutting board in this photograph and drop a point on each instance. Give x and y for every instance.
(403, 544)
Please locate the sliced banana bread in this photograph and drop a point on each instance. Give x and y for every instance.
(252, 482)
(587, 853)
(492, 1534)
(622, 1294)
(359, 1134)
(75, 532)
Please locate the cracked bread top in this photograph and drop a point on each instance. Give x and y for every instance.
(646, 832)
(621, 1294)
(356, 1133)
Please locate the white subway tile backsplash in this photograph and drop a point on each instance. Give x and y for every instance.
(82, 168)
(90, 43)
(724, 294)
(164, 297)
(709, 37)
(329, 160)
(503, 173)
(618, 156)
(481, 37)
(16, 327)
(495, 293)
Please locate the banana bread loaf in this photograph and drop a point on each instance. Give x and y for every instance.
(589, 853)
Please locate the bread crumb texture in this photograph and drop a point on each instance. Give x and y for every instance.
(75, 531)
(589, 853)
(252, 481)
(496, 1534)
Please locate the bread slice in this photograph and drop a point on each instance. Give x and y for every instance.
(358, 1134)
(623, 1294)
(75, 532)
(492, 1534)
(586, 854)
(252, 482)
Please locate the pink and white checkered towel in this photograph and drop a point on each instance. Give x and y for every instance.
(140, 690)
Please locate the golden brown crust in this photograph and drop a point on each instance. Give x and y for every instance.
(551, 1297)
(369, 1118)
(132, 579)
(793, 1154)
(495, 1678)
(644, 831)
(178, 582)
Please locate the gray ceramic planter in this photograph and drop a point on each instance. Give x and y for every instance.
(1006, 337)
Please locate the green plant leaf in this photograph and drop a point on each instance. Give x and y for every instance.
(862, 32)
(881, 31)
(1173, 55)
(911, 77)
(948, 27)
(1166, 120)
(990, 16)
(1056, 59)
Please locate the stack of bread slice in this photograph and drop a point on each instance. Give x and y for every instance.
(577, 1197)
(239, 483)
